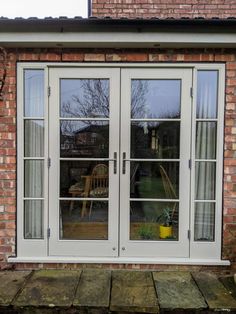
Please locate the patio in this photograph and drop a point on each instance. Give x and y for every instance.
(119, 291)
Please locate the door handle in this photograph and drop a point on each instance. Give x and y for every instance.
(123, 162)
(114, 159)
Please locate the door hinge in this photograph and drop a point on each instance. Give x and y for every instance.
(48, 233)
(49, 91)
(189, 234)
(190, 163)
(191, 92)
(49, 162)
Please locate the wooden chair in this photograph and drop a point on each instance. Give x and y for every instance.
(99, 183)
(169, 191)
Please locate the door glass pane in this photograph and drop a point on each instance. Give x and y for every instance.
(83, 220)
(204, 222)
(206, 140)
(155, 139)
(33, 178)
(205, 181)
(34, 138)
(84, 139)
(84, 98)
(154, 221)
(207, 90)
(154, 180)
(155, 99)
(34, 93)
(84, 179)
(33, 219)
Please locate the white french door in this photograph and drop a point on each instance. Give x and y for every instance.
(119, 153)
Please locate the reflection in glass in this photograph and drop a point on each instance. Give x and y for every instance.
(155, 99)
(204, 222)
(33, 178)
(84, 98)
(84, 139)
(206, 140)
(75, 224)
(33, 219)
(205, 180)
(154, 221)
(34, 138)
(33, 93)
(207, 89)
(155, 139)
(84, 179)
(154, 180)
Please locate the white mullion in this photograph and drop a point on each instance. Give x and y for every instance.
(82, 159)
(34, 118)
(83, 199)
(153, 160)
(155, 120)
(204, 201)
(84, 119)
(154, 200)
(206, 160)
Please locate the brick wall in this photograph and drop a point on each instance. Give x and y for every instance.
(8, 137)
(164, 8)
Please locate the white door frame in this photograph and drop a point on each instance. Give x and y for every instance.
(178, 248)
(89, 248)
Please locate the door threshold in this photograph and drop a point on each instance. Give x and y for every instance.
(119, 260)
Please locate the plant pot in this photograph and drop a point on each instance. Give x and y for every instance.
(165, 232)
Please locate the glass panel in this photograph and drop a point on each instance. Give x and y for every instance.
(83, 220)
(84, 179)
(87, 139)
(154, 221)
(207, 89)
(155, 99)
(33, 222)
(34, 138)
(85, 98)
(34, 93)
(205, 181)
(155, 139)
(154, 180)
(206, 140)
(204, 222)
(33, 178)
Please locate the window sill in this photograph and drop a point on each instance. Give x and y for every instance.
(119, 260)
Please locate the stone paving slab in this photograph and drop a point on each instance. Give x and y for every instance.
(97, 291)
(10, 284)
(177, 290)
(49, 288)
(215, 294)
(94, 289)
(133, 291)
(229, 284)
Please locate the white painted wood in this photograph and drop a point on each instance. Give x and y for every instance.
(200, 249)
(83, 247)
(36, 250)
(28, 247)
(178, 248)
(120, 260)
(128, 39)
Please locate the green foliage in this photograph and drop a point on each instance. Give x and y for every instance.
(165, 218)
(146, 232)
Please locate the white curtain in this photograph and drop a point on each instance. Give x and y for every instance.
(205, 170)
(33, 147)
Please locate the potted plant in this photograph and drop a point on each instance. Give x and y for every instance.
(165, 220)
(146, 232)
